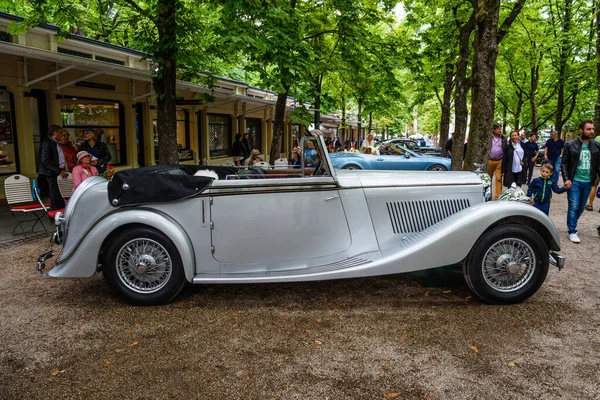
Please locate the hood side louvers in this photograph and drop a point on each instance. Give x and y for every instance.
(418, 215)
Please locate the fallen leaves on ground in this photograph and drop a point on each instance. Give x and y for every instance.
(106, 363)
(427, 293)
(447, 291)
(318, 342)
(391, 395)
(511, 364)
(134, 344)
(57, 372)
(474, 348)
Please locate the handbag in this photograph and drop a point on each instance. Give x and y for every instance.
(598, 192)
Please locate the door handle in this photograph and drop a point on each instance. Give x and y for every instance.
(331, 198)
(380, 159)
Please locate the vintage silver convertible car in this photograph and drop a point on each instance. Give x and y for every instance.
(151, 230)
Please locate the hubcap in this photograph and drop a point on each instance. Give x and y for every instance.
(144, 265)
(508, 265)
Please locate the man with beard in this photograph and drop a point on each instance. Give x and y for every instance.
(580, 167)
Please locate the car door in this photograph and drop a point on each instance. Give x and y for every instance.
(267, 225)
(402, 160)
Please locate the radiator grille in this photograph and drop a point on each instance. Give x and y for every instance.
(418, 215)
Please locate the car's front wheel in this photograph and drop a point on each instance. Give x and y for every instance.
(143, 266)
(437, 167)
(351, 166)
(507, 265)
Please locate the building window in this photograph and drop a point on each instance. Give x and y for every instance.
(8, 144)
(183, 134)
(104, 117)
(254, 127)
(219, 135)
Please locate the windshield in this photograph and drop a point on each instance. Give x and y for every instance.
(398, 150)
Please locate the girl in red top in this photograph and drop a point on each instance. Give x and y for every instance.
(84, 170)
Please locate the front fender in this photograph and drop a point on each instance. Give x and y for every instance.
(82, 262)
(451, 240)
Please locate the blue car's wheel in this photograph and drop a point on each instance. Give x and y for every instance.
(437, 167)
(352, 166)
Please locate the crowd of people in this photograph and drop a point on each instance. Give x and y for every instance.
(511, 161)
(59, 156)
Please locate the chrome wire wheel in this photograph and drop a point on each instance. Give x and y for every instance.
(508, 265)
(144, 265)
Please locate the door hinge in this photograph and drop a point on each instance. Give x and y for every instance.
(212, 249)
(212, 225)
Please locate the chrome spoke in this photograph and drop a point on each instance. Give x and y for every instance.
(508, 265)
(144, 265)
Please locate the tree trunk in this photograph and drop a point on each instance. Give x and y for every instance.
(370, 128)
(344, 135)
(165, 83)
(504, 116)
(446, 104)
(597, 107)
(562, 66)
(359, 116)
(278, 126)
(317, 105)
(461, 111)
(483, 81)
(535, 77)
(518, 110)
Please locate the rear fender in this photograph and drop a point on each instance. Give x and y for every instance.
(83, 261)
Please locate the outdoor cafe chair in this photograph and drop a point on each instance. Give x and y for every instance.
(45, 207)
(65, 185)
(22, 206)
(281, 163)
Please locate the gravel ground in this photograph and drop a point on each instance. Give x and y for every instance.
(373, 338)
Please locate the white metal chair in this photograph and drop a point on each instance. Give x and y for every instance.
(262, 164)
(50, 214)
(20, 199)
(65, 186)
(227, 164)
(281, 163)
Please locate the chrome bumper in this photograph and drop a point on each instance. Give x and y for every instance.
(557, 260)
(41, 262)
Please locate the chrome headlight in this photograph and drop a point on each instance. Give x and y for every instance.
(59, 219)
(487, 185)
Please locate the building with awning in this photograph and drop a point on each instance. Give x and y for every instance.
(80, 82)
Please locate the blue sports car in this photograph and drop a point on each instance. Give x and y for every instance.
(402, 159)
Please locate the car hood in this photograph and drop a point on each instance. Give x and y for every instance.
(362, 178)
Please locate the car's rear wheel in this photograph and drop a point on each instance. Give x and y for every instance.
(507, 265)
(437, 167)
(352, 166)
(143, 267)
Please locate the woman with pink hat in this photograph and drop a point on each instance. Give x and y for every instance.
(84, 169)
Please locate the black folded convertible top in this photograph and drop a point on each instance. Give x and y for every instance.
(156, 184)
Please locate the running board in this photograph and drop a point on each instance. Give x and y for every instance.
(283, 276)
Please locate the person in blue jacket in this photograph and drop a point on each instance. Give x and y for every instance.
(540, 189)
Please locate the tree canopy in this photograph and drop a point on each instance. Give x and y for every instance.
(527, 64)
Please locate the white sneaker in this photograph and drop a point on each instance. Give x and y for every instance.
(574, 238)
